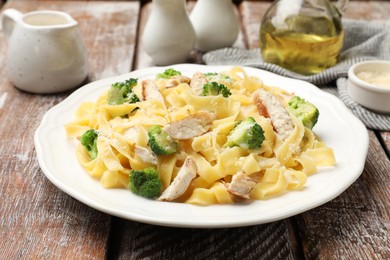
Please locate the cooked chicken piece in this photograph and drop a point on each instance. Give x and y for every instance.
(150, 91)
(176, 80)
(191, 126)
(261, 107)
(241, 185)
(146, 155)
(270, 106)
(197, 82)
(181, 182)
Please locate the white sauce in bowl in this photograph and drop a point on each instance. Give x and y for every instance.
(378, 78)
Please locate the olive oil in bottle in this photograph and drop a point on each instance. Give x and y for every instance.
(306, 45)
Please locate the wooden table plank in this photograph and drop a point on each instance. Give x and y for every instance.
(386, 141)
(37, 219)
(142, 241)
(251, 15)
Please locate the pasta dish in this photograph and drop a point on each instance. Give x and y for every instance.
(207, 138)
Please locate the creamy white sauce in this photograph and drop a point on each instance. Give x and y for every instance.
(378, 78)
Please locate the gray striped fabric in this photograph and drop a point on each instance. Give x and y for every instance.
(363, 41)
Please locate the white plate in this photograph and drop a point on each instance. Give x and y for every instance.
(336, 126)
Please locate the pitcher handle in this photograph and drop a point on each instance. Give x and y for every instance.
(8, 20)
(342, 5)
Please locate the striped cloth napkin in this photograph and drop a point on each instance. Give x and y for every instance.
(363, 41)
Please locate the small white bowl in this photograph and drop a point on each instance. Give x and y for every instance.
(371, 96)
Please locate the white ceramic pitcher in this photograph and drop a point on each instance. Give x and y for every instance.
(216, 24)
(46, 52)
(168, 35)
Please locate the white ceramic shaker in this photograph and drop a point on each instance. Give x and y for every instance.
(216, 24)
(168, 36)
(46, 52)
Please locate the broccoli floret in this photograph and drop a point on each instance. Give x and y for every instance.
(160, 142)
(89, 141)
(145, 183)
(215, 89)
(122, 92)
(167, 74)
(131, 98)
(247, 134)
(304, 111)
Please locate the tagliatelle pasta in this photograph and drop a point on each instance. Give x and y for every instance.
(277, 166)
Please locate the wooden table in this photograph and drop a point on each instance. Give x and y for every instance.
(37, 220)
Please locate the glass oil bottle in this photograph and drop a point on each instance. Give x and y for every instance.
(304, 36)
